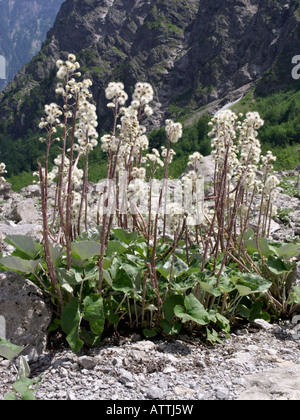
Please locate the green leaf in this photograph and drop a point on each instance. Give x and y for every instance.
(264, 247)
(125, 236)
(170, 328)
(244, 311)
(123, 282)
(25, 244)
(109, 307)
(223, 322)
(247, 235)
(115, 247)
(178, 268)
(250, 245)
(192, 310)
(150, 333)
(169, 305)
(70, 321)
(8, 350)
(295, 295)
(22, 385)
(56, 252)
(93, 307)
(254, 282)
(10, 397)
(289, 251)
(213, 337)
(93, 234)
(93, 312)
(85, 250)
(55, 324)
(243, 290)
(18, 264)
(276, 266)
(69, 276)
(210, 288)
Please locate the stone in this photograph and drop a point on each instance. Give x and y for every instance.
(281, 383)
(261, 323)
(125, 376)
(24, 211)
(154, 393)
(145, 345)
(5, 190)
(11, 228)
(183, 390)
(31, 191)
(87, 362)
(27, 314)
(222, 393)
(296, 319)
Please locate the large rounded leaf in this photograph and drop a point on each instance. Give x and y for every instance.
(192, 310)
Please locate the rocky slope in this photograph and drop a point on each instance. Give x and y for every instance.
(24, 24)
(194, 52)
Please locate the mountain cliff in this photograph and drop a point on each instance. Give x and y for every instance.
(196, 53)
(24, 24)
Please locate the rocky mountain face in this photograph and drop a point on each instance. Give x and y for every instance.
(24, 24)
(194, 52)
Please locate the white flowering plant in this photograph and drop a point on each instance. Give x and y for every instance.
(154, 254)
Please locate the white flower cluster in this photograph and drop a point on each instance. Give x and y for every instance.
(270, 187)
(173, 130)
(86, 133)
(223, 134)
(78, 93)
(142, 96)
(164, 152)
(67, 67)
(2, 171)
(116, 92)
(195, 158)
(131, 139)
(237, 150)
(237, 142)
(174, 214)
(267, 160)
(154, 158)
(53, 113)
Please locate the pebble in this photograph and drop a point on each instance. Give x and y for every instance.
(161, 369)
(154, 393)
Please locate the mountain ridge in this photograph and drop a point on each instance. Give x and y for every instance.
(196, 54)
(24, 24)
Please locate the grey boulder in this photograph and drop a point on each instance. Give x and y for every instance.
(27, 315)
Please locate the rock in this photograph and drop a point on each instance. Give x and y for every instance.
(26, 313)
(31, 191)
(276, 384)
(88, 362)
(296, 319)
(136, 337)
(125, 377)
(24, 211)
(144, 345)
(154, 393)
(2, 327)
(183, 390)
(261, 323)
(5, 190)
(222, 393)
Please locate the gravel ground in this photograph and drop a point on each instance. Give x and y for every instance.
(180, 369)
